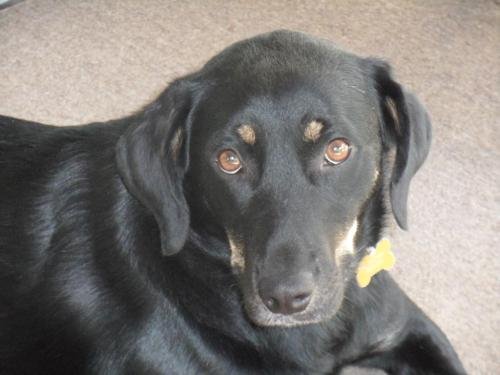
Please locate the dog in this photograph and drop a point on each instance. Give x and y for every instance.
(219, 229)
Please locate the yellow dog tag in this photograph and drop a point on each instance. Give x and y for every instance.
(380, 258)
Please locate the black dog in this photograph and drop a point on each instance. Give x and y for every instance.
(218, 231)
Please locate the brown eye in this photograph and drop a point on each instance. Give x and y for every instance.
(337, 151)
(229, 162)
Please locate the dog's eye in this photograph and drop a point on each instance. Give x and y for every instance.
(337, 151)
(228, 161)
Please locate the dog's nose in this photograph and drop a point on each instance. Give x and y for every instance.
(287, 297)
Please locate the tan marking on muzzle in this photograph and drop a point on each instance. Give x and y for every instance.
(247, 133)
(392, 108)
(346, 245)
(313, 131)
(176, 143)
(237, 257)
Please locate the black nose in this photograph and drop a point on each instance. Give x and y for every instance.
(287, 296)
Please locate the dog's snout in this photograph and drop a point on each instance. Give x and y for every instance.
(287, 296)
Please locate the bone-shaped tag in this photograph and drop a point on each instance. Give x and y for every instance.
(379, 258)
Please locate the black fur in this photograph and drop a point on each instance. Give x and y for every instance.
(114, 250)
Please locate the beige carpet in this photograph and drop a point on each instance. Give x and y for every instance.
(68, 62)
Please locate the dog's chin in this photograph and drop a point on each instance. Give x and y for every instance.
(319, 311)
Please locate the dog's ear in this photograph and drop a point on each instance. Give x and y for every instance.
(152, 158)
(406, 122)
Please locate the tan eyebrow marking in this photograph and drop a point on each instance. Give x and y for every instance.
(247, 133)
(313, 131)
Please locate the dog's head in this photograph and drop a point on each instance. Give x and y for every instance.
(280, 146)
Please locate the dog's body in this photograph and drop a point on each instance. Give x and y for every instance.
(86, 213)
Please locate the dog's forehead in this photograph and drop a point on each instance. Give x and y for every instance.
(293, 104)
(284, 79)
(274, 71)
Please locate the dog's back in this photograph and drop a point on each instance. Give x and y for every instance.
(50, 177)
(41, 166)
(26, 160)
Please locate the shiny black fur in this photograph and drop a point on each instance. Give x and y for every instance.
(113, 259)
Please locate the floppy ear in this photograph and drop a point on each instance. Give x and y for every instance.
(152, 160)
(406, 122)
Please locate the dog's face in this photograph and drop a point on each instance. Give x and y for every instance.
(282, 154)
(286, 171)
